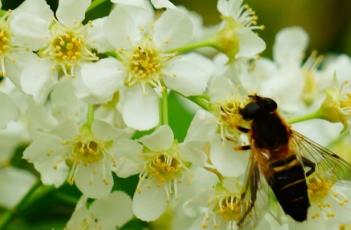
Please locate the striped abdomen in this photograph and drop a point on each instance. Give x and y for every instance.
(289, 186)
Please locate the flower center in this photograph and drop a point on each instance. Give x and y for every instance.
(345, 103)
(67, 47)
(318, 189)
(87, 151)
(144, 66)
(164, 168)
(229, 208)
(4, 41)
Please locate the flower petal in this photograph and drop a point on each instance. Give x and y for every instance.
(71, 12)
(158, 4)
(105, 131)
(9, 111)
(137, 3)
(123, 27)
(96, 37)
(114, 210)
(161, 139)
(250, 44)
(189, 74)
(202, 127)
(15, 183)
(290, 45)
(95, 179)
(140, 110)
(168, 37)
(128, 157)
(47, 154)
(150, 201)
(38, 78)
(100, 80)
(226, 161)
(30, 23)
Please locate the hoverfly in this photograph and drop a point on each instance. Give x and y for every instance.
(285, 158)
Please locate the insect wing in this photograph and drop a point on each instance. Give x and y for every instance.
(253, 200)
(328, 164)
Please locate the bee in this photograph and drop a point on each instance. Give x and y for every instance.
(285, 158)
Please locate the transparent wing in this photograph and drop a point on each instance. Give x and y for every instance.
(326, 162)
(254, 199)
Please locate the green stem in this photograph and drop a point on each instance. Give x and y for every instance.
(314, 115)
(344, 133)
(66, 198)
(164, 107)
(34, 194)
(95, 4)
(90, 115)
(196, 45)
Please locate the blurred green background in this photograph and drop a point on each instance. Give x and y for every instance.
(327, 22)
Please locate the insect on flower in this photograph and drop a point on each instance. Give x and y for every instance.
(290, 163)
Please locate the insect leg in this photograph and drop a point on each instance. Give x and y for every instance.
(309, 164)
(242, 148)
(243, 129)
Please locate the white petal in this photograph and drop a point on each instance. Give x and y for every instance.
(226, 160)
(15, 183)
(94, 180)
(250, 44)
(140, 110)
(100, 80)
(202, 127)
(161, 139)
(162, 4)
(38, 78)
(79, 216)
(114, 210)
(138, 3)
(290, 45)
(9, 111)
(150, 201)
(104, 131)
(48, 156)
(30, 23)
(189, 74)
(71, 12)
(168, 37)
(127, 153)
(193, 152)
(96, 36)
(124, 26)
(65, 104)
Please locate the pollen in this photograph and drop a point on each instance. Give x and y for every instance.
(318, 189)
(67, 47)
(164, 168)
(4, 40)
(229, 208)
(87, 151)
(144, 66)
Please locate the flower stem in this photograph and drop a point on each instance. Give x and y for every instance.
(35, 193)
(95, 4)
(90, 115)
(310, 116)
(164, 107)
(344, 133)
(195, 45)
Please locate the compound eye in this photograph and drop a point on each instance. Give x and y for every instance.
(269, 105)
(250, 111)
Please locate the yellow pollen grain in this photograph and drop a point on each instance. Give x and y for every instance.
(229, 208)
(67, 47)
(164, 168)
(87, 151)
(144, 65)
(318, 189)
(4, 41)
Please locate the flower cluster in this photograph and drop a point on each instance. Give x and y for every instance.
(89, 101)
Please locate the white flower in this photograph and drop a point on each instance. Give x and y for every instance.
(236, 37)
(144, 3)
(107, 213)
(9, 111)
(165, 171)
(15, 183)
(145, 65)
(63, 43)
